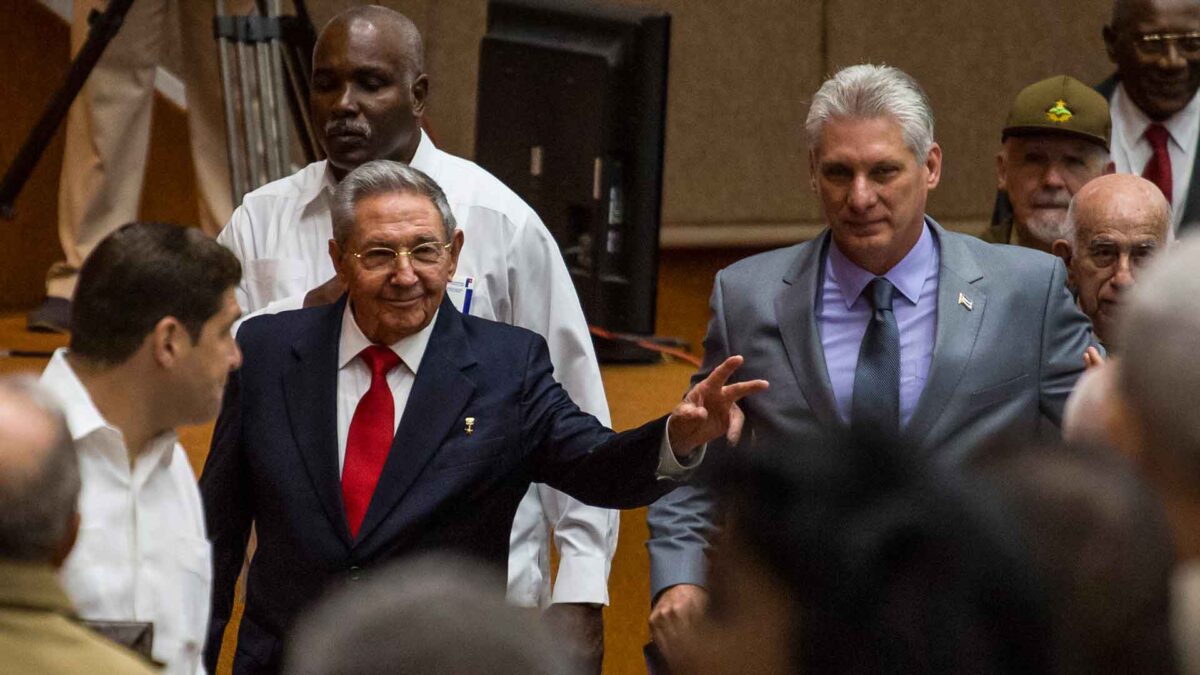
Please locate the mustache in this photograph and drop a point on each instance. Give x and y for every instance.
(347, 127)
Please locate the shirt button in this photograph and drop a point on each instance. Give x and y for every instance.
(355, 573)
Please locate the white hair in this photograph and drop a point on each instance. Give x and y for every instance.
(868, 91)
(383, 176)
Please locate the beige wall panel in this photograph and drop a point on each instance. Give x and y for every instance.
(735, 102)
(971, 58)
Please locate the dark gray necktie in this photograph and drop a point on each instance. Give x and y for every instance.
(876, 403)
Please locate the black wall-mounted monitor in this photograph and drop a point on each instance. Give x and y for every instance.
(571, 113)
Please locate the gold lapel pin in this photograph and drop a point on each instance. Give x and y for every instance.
(470, 425)
(965, 302)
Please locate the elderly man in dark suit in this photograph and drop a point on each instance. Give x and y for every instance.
(389, 423)
(885, 322)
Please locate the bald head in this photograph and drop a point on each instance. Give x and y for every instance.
(388, 24)
(368, 88)
(1119, 222)
(1119, 200)
(39, 476)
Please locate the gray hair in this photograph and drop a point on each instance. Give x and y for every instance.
(454, 618)
(383, 176)
(39, 487)
(868, 91)
(1159, 376)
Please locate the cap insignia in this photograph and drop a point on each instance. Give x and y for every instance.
(1059, 112)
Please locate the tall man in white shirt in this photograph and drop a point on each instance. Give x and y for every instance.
(368, 95)
(151, 347)
(1155, 45)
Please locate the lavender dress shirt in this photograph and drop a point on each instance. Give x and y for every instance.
(843, 313)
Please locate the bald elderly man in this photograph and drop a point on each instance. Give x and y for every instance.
(1115, 225)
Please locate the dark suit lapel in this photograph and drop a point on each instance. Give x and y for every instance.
(796, 312)
(435, 404)
(960, 310)
(310, 392)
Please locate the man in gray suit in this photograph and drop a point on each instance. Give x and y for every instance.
(885, 322)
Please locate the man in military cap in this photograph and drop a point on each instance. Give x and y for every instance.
(1055, 140)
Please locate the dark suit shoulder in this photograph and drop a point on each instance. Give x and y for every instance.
(497, 339)
(284, 326)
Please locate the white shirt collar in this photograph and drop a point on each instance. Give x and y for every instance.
(82, 415)
(1181, 126)
(410, 349)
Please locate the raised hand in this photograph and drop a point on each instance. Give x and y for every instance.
(708, 412)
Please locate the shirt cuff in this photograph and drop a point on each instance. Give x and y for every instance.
(669, 466)
(581, 579)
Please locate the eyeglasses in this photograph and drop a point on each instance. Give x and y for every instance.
(1153, 45)
(1107, 253)
(421, 256)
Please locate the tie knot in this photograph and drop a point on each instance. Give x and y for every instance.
(379, 359)
(880, 292)
(1157, 135)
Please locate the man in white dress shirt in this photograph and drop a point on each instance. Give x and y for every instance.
(1155, 45)
(151, 347)
(368, 95)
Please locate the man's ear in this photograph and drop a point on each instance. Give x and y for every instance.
(63, 549)
(1001, 184)
(166, 340)
(812, 169)
(1109, 168)
(933, 162)
(455, 249)
(419, 91)
(1110, 42)
(335, 255)
(1062, 249)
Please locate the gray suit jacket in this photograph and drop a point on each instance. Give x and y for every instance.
(1002, 368)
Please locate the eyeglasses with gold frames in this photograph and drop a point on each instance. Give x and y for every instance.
(426, 255)
(1152, 45)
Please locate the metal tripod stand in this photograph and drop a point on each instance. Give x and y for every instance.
(265, 61)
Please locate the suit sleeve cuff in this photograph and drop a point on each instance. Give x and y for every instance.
(669, 466)
(581, 579)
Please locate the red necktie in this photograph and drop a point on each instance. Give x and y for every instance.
(1158, 169)
(370, 437)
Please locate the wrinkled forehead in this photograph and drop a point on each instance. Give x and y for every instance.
(396, 216)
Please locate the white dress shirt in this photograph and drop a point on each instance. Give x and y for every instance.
(142, 553)
(1131, 151)
(510, 270)
(354, 376)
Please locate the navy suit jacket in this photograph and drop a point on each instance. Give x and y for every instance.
(274, 462)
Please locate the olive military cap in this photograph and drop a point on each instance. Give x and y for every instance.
(1060, 105)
